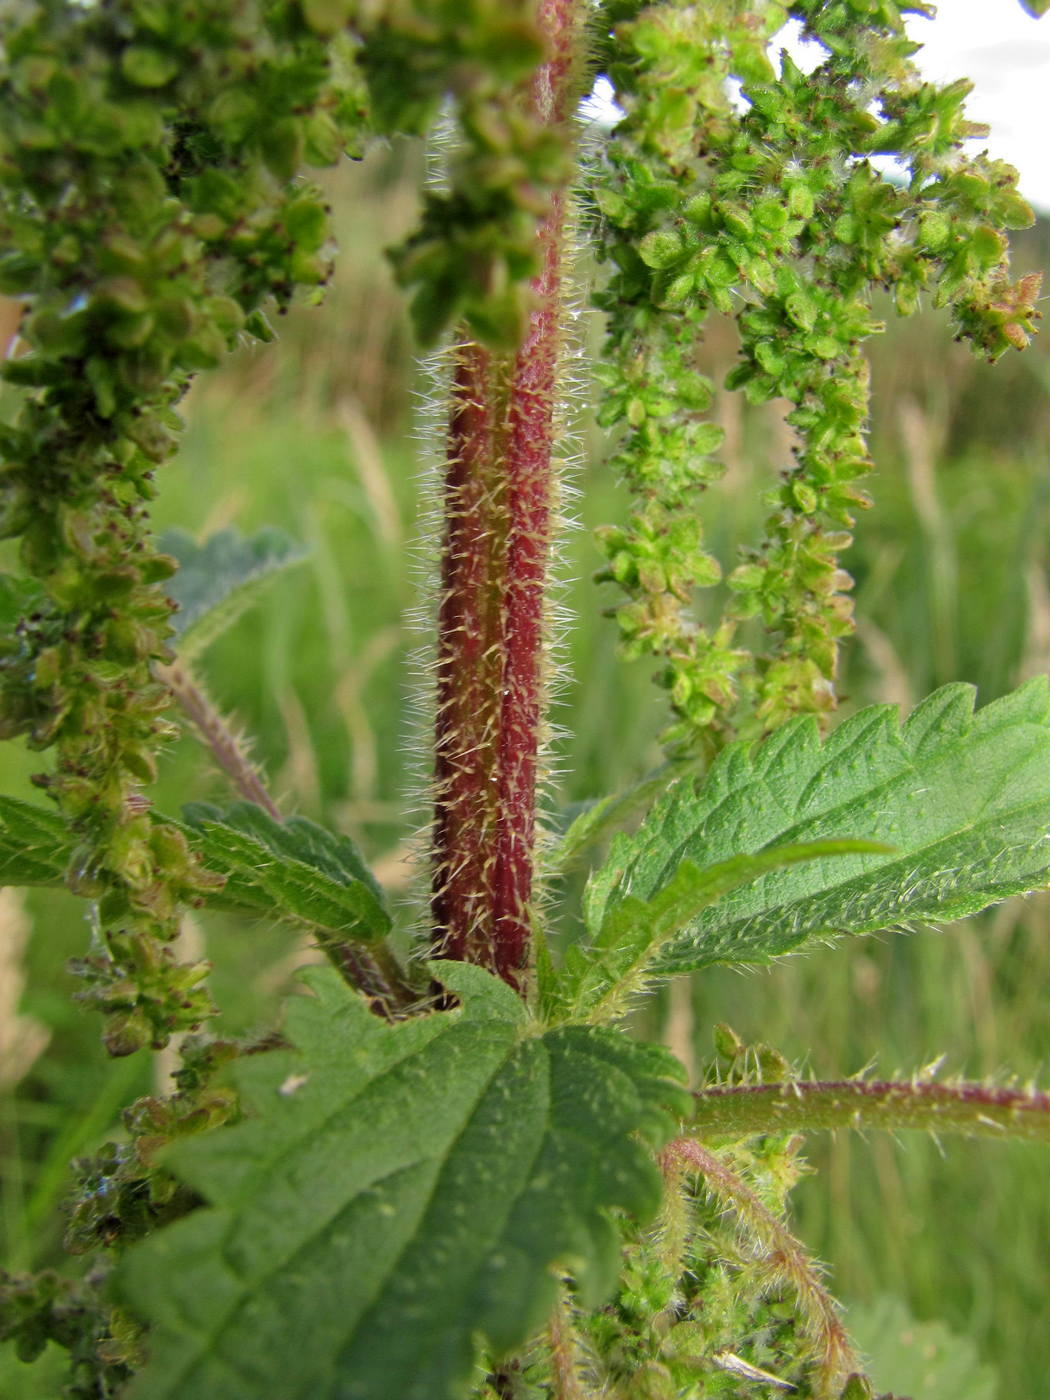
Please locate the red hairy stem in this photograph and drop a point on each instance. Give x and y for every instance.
(529, 506)
(785, 1261)
(469, 665)
(498, 503)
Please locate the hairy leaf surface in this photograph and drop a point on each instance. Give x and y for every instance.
(399, 1191)
(221, 578)
(295, 869)
(600, 977)
(963, 798)
(35, 844)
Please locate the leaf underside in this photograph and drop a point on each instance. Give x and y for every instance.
(221, 578)
(963, 800)
(600, 977)
(595, 821)
(399, 1192)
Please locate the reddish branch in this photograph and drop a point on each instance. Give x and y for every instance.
(374, 971)
(498, 502)
(228, 750)
(784, 1260)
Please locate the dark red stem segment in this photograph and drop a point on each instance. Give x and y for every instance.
(530, 489)
(469, 665)
(498, 501)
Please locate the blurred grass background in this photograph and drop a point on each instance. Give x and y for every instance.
(326, 434)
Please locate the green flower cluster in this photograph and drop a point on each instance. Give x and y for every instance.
(708, 1303)
(149, 208)
(104, 1343)
(675, 1334)
(775, 210)
(471, 258)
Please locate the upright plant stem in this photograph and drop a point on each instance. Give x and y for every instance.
(374, 971)
(530, 488)
(469, 663)
(498, 503)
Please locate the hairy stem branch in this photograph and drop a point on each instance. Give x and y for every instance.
(227, 749)
(974, 1110)
(565, 1377)
(374, 971)
(786, 1259)
(498, 502)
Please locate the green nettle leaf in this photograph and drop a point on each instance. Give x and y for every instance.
(962, 800)
(220, 579)
(398, 1192)
(291, 869)
(35, 844)
(920, 1358)
(600, 977)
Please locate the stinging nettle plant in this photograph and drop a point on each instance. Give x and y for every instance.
(451, 1172)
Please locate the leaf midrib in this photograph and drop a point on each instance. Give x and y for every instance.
(798, 830)
(884, 870)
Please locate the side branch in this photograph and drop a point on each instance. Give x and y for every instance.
(374, 971)
(228, 751)
(970, 1109)
(786, 1259)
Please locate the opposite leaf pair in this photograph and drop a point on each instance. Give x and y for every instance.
(426, 1177)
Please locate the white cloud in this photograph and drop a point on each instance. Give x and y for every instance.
(1003, 50)
(1007, 55)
